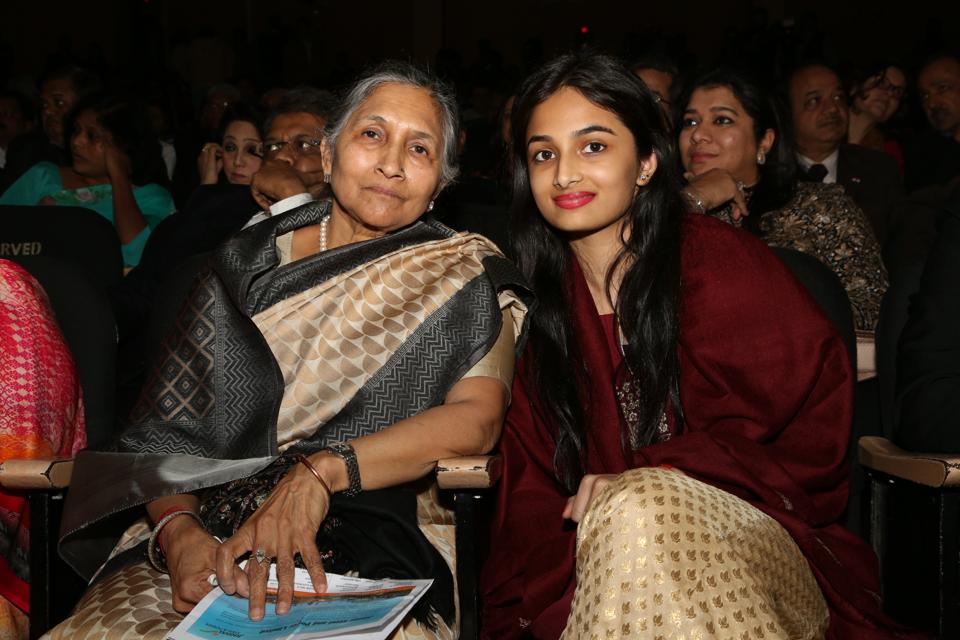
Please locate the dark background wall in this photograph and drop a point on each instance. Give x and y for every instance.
(308, 37)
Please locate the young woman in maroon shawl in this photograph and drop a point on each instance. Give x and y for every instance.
(674, 453)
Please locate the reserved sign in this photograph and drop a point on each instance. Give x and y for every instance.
(20, 248)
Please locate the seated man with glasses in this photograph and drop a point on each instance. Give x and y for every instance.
(292, 173)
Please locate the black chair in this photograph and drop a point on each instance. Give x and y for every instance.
(914, 507)
(915, 497)
(78, 235)
(466, 481)
(827, 289)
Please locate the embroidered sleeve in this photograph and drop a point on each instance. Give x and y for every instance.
(826, 223)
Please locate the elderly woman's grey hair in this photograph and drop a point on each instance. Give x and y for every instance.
(408, 74)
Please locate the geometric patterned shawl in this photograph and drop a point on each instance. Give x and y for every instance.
(208, 413)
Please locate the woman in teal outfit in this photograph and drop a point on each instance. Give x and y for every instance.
(115, 159)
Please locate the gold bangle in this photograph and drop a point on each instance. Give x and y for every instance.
(302, 459)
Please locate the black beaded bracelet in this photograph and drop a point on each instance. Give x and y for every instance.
(345, 451)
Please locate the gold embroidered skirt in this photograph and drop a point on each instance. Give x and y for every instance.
(662, 555)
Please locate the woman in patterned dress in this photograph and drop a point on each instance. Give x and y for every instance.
(739, 160)
(41, 416)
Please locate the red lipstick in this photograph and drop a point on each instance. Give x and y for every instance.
(574, 200)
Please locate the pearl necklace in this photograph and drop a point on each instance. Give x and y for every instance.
(323, 232)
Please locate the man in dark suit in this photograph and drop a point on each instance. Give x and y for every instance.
(933, 157)
(818, 106)
(928, 382)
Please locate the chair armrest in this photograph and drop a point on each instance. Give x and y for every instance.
(866, 355)
(36, 473)
(930, 469)
(468, 472)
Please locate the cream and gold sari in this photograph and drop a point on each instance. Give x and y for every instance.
(272, 357)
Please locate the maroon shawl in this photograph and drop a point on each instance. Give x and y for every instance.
(767, 393)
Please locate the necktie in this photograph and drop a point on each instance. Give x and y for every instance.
(816, 173)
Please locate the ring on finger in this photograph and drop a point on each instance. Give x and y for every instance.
(260, 556)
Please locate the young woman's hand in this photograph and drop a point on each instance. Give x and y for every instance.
(716, 187)
(284, 525)
(590, 486)
(191, 555)
(210, 163)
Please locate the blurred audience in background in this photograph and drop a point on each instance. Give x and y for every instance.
(934, 157)
(876, 96)
(60, 90)
(238, 152)
(115, 168)
(820, 119)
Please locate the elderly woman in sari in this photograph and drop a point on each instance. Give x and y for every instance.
(329, 358)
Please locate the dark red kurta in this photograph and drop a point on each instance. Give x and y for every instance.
(767, 392)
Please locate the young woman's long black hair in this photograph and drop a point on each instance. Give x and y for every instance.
(648, 301)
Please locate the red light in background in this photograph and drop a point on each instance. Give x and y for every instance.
(584, 29)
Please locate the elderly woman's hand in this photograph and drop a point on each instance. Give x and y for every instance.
(715, 188)
(191, 555)
(284, 525)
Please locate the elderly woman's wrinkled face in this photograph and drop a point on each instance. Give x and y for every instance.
(718, 133)
(386, 165)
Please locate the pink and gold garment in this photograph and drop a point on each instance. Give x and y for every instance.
(41, 415)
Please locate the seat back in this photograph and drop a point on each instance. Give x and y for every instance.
(827, 289)
(85, 318)
(75, 234)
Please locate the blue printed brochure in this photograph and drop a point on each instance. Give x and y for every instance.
(350, 609)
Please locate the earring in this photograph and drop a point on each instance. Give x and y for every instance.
(643, 177)
(326, 178)
(761, 156)
(430, 206)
